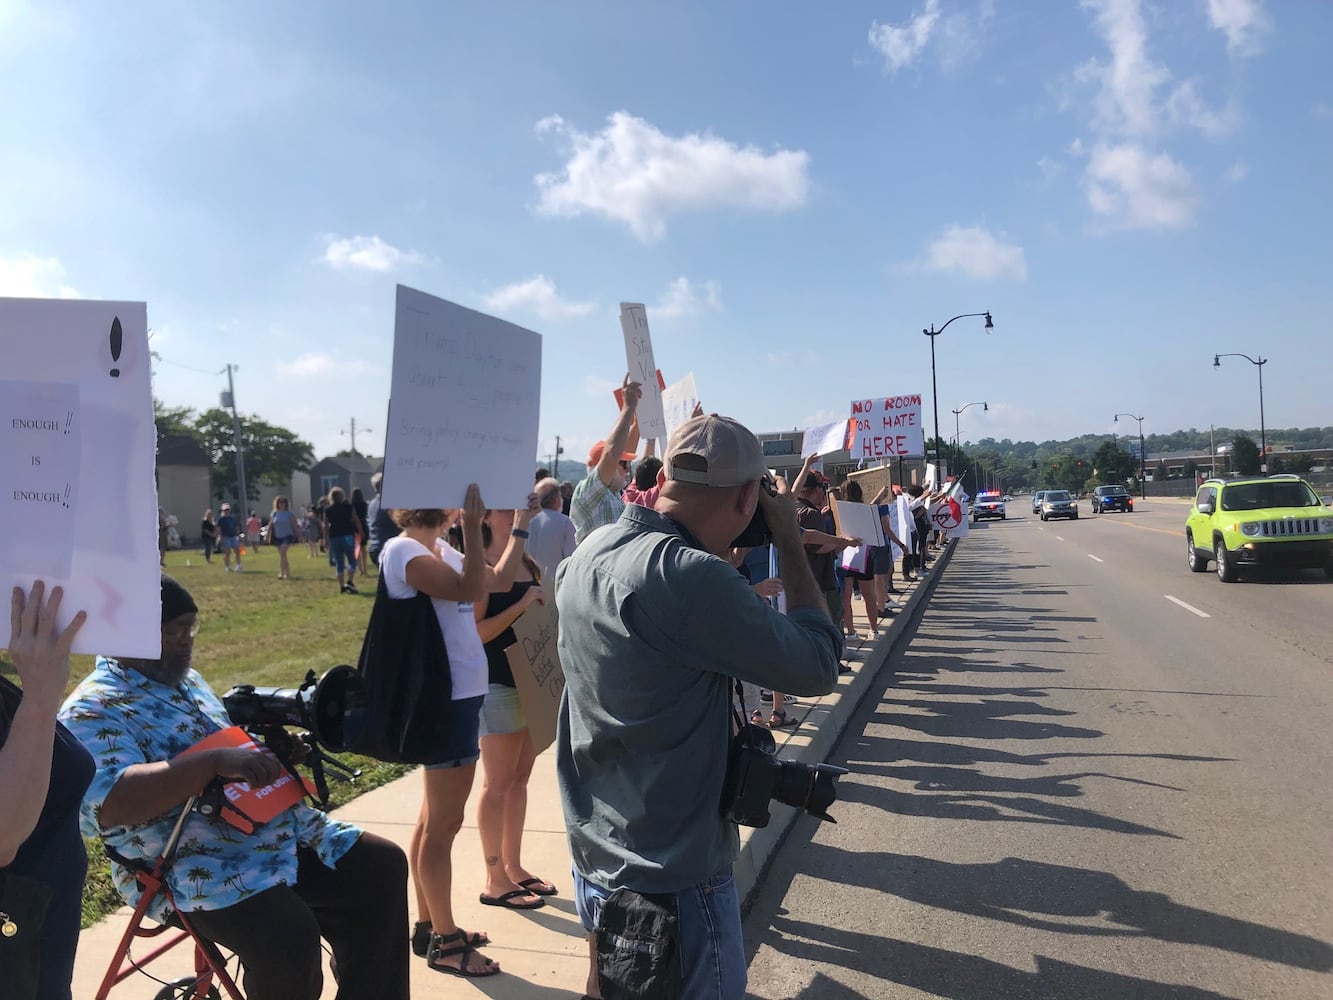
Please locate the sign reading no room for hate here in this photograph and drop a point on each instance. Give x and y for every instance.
(888, 427)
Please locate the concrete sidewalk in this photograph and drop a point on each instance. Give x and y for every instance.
(544, 952)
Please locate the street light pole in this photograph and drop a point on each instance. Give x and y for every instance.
(932, 333)
(957, 434)
(1143, 455)
(1263, 438)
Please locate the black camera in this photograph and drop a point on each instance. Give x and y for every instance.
(756, 533)
(755, 776)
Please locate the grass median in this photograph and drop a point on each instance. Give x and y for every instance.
(257, 629)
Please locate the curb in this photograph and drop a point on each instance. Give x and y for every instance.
(829, 718)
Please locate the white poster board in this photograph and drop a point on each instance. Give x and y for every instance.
(858, 520)
(77, 455)
(643, 369)
(888, 427)
(824, 439)
(463, 406)
(932, 482)
(678, 401)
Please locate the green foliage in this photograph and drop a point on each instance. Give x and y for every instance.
(272, 454)
(174, 420)
(1245, 455)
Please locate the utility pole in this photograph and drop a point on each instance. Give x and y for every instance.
(364, 430)
(555, 466)
(229, 400)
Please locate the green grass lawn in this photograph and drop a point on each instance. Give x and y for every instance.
(257, 629)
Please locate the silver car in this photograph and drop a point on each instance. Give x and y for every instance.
(1058, 503)
(1036, 501)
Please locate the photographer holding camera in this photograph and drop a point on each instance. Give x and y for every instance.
(655, 626)
(268, 895)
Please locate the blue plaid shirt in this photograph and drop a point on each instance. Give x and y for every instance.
(593, 506)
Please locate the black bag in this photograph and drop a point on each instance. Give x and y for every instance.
(404, 670)
(638, 947)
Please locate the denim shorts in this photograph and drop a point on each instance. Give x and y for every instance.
(712, 952)
(881, 559)
(463, 715)
(502, 712)
(342, 550)
(230, 542)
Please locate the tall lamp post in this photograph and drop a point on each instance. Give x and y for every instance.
(1143, 456)
(1263, 439)
(932, 333)
(957, 442)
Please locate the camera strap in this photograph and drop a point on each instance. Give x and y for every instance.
(743, 717)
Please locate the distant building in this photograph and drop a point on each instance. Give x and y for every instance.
(182, 482)
(348, 471)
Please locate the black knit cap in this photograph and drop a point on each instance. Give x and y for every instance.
(176, 600)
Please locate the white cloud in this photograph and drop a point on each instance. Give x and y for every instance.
(1132, 188)
(900, 46)
(1244, 22)
(1237, 173)
(537, 295)
(1321, 110)
(365, 253)
(317, 365)
(684, 299)
(978, 253)
(632, 172)
(27, 276)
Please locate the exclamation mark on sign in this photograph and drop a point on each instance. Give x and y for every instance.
(116, 343)
(69, 420)
(65, 502)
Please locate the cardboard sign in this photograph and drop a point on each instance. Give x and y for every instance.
(858, 520)
(535, 663)
(463, 407)
(257, 804)
(888, 427)
(678, 401)
(641, 367)
(76, 416)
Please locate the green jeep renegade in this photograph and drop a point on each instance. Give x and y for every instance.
(1258, 521)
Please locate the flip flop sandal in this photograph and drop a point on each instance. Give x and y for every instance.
(781, 720)
(539, 887)
(512, 894)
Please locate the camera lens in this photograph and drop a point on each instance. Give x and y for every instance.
(807, 786)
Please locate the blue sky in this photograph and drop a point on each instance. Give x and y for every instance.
(794, 189)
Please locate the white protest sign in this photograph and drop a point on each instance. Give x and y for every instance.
(932, 482)
(76, 418)
(678, 401)
(463, 406)
(888, 427)
(824, 439)
(642, 369)
(538, 676)
(858, 520)
(904, 524)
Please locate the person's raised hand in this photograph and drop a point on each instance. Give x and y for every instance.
(698, 410)
(633, 392)
(523, 515)
(474, 508)
(256, 768)
(38, 651)
(779, 509)
(806, 466)
(534, 595)
(771, 587)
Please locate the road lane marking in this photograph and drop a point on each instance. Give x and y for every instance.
(1091, 556)
(1192, 610)
(1059, 538)
(1140, 527)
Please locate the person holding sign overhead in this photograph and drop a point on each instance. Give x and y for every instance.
(268, 895)
(596, 502)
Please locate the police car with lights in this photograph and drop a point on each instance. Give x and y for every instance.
(988, 504)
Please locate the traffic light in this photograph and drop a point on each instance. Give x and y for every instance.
(1079, 463)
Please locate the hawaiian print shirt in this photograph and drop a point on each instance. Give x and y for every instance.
(126, 718)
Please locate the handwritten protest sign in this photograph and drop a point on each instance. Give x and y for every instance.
(642, 368)
(888, 427)
(824, 439)
(463, 407)
(678, 401)
(535, 663)
(76, 409)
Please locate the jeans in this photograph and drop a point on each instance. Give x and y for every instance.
(712, 952)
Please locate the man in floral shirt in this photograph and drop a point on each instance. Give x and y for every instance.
(268, 895)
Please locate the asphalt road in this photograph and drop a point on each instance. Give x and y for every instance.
(1093, 774)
